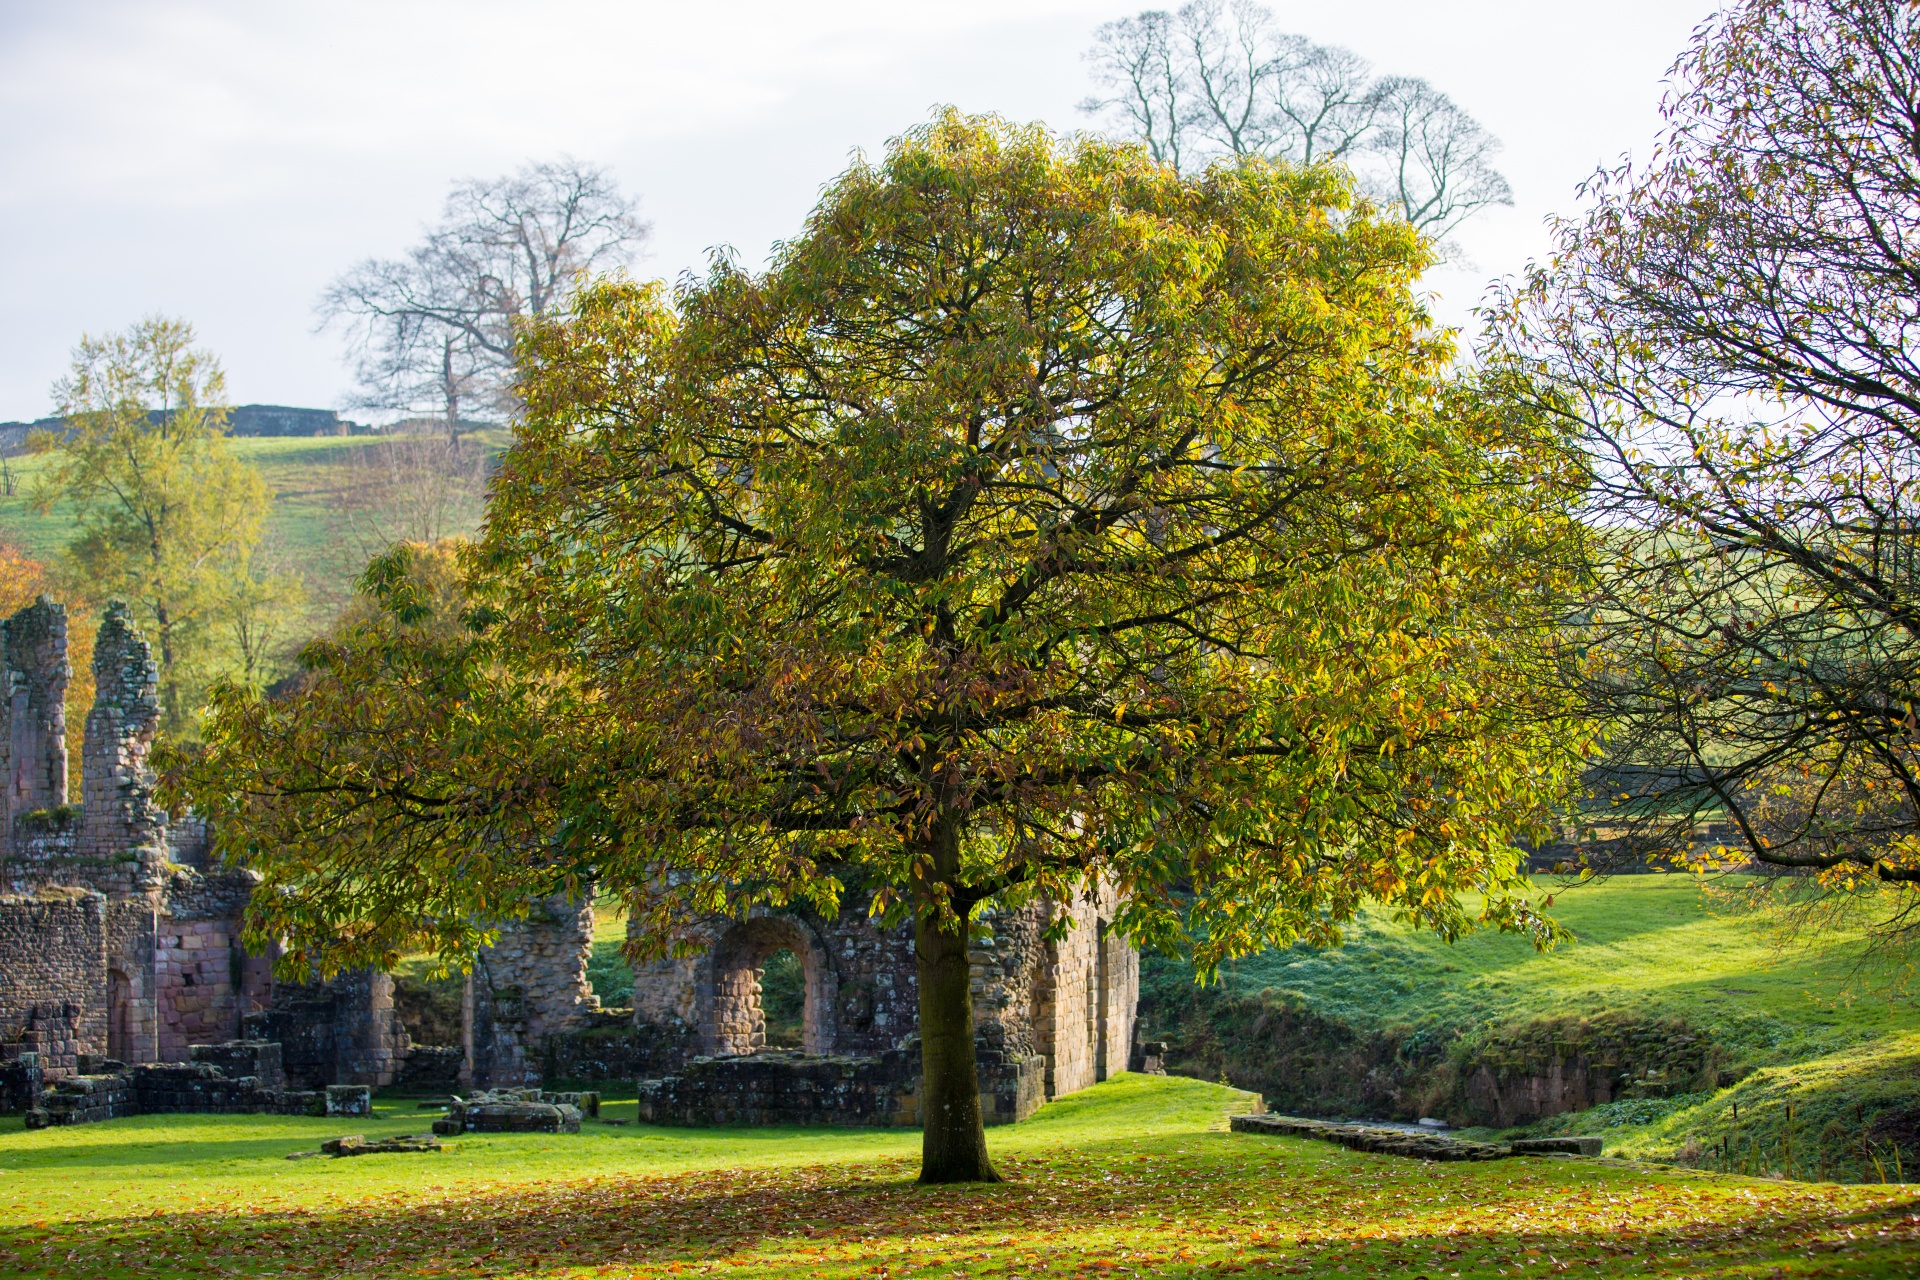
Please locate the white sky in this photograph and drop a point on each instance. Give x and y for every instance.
(222, 161)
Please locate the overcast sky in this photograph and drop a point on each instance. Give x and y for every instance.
(221, 162)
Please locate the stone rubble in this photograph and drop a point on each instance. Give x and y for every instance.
(1400, 1142)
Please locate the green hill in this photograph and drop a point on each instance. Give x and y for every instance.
(1396, 1021)
(305, 531)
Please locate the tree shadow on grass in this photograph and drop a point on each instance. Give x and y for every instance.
(1217, 1207)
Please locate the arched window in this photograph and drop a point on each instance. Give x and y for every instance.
(770, 989)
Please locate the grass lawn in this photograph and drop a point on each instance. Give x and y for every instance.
(1136, 1177)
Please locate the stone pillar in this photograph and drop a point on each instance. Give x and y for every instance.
(35, 677)
(118, 811)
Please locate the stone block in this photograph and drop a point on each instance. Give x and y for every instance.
(1577, 1146)
(349, 1100)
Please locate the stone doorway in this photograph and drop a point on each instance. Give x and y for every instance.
(740, 969)
(120, 1016)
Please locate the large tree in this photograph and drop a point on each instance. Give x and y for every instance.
(1219, 78)
(1731, 329)
(434, 330)
(164, 514)
(1039, 515)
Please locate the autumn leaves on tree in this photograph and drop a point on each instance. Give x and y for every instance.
(1039, 514)
(165, 515)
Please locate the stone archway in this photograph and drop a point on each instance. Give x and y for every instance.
(736, 1023)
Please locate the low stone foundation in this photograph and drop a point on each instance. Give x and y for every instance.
(83, 1100)
(1399, 1142)
(782, 1087)
(237, 1059)
(204, 1086)
(513, 1111)
(611, 1046)
(432, 1068)
(19, 1082)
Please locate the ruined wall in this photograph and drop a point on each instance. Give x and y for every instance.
(120, 823)
(529, 986)
(35, 673)
(1049, 1017)
(862, 996)
(53, 976)
(204, 982)
(1083, 996)
(133, 1026)
(343, 1032)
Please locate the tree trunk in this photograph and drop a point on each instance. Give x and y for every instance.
(954, 1143)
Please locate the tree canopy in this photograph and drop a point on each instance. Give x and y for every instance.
(1039, 514)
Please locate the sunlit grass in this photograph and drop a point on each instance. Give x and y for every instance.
(1135, 1177)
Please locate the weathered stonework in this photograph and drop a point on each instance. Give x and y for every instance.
(524, 990)
(122, 941)
(335, 1033)
(53, 976)
(36, 672)
(1050, 1017)
(168, 970)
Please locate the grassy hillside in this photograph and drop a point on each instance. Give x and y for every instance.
(1395, 1019)
(307, 475)
(1134, 1177)
(1662, 944)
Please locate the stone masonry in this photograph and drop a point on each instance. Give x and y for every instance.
(119, 938)
(1050, 1016)
(36, 672)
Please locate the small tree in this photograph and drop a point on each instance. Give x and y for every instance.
(1040, 515)
(1216, 78)
(434, 330)
(1730, 329)
(166, 517)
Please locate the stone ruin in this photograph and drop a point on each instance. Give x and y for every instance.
(120, 944)
(119, 937)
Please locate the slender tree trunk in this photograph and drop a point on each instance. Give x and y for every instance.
(451, 386)
(954, 1142)
(169, 687)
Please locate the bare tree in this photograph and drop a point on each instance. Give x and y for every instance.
(1220, 79)
(1432, 160)
(410, 487)
(433, 331)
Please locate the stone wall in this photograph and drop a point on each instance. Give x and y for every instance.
(862, 996)
(610, 1046)
(204, 981)
(343, 1032)
(775, 1087)
(121, 821)
(53, 976)
(528, 987)
(1050, 1017)
(1079, 994)
(36, 673)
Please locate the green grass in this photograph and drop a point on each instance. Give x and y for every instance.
(1659, 944)
(1799, 1024)
(306, 474)
(1135, 1177)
